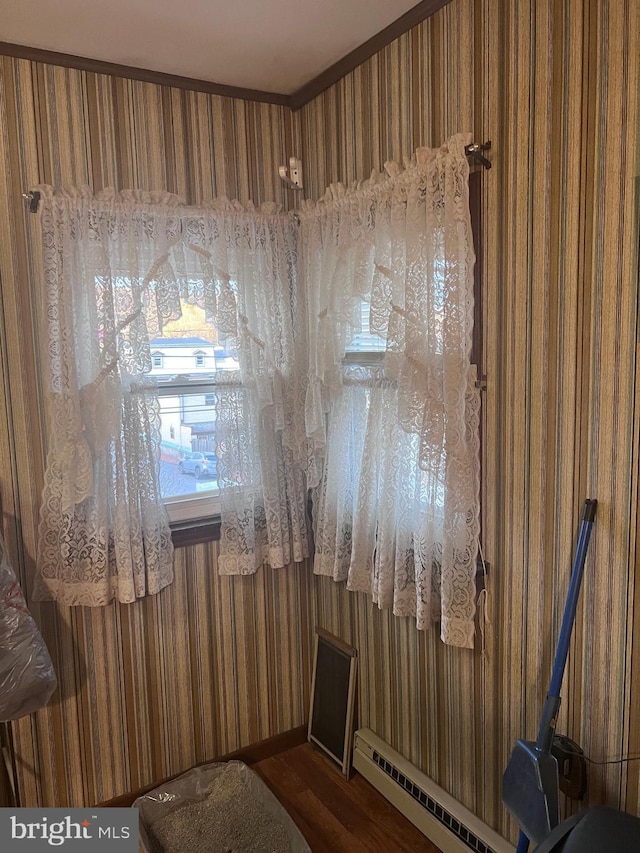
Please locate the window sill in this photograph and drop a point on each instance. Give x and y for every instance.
(184, 533)
(194, 519)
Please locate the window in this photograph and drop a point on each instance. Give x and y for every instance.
(142, 261)
(366, 351)
(187, 400)
(396, 509)
(364, 340)
(381, 447)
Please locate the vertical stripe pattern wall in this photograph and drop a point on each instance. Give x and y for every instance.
(211, 664)
(554, 85)
(214, 663)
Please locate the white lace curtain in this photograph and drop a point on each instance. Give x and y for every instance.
(115, 269)
(391, 451)
(394, 448)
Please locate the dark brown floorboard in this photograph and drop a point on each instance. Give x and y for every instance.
(336, 816)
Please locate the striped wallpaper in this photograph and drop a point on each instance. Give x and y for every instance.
(211, 664)
(216, 663)
(554, 86)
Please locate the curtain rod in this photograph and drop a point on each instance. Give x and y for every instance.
(473, 150)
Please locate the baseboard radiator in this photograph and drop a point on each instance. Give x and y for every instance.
(445, 821)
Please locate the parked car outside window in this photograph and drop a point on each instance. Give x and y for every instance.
(199, 464)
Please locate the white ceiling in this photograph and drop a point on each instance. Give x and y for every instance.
(269, 45)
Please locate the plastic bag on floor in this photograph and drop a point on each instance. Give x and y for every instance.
(216, 807)
(27, 677)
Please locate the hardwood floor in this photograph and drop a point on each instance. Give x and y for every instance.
(336, 816)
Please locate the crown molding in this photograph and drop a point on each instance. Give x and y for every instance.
(295, 101)
(376, 43)
(99, 66)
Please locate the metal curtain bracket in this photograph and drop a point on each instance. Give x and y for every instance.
(33, 197)
(474, 151)
(294, 178)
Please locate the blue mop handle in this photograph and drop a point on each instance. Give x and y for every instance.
(588, 517)
(552, 703)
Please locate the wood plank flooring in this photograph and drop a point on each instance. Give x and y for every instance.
(336, 816)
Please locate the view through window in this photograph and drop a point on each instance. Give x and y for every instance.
(364, 340)
(185, 359)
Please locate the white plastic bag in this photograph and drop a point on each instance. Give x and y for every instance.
(27, 678)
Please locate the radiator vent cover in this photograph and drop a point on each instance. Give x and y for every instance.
(446, 819)
(451, 826)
